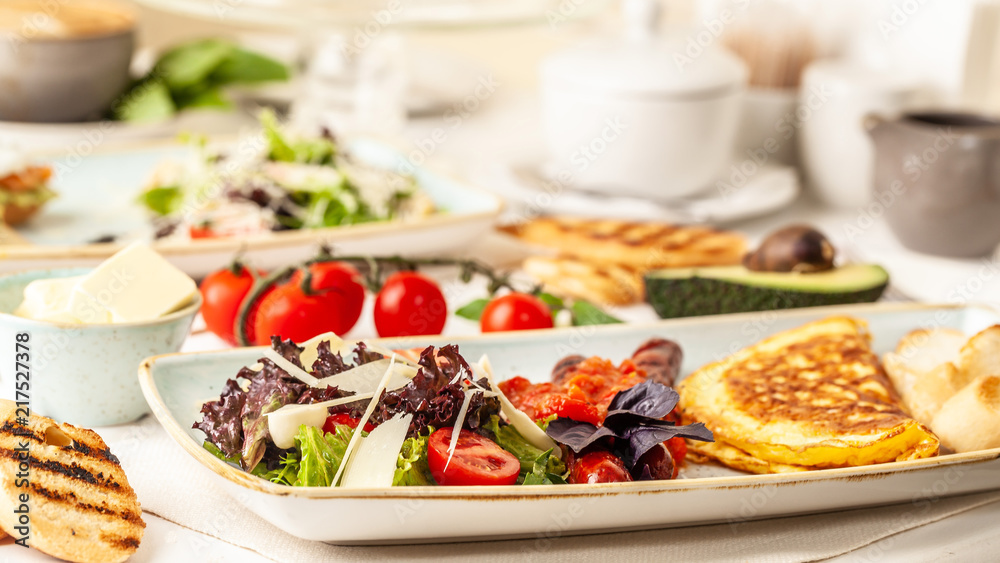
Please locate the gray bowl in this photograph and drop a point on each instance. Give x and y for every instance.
(82, 374)
(63, 80)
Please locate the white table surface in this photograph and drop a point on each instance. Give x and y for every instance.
(505, 130)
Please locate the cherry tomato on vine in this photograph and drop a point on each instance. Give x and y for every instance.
(222, 293)
(515, 311)
(477, 460)
(333, 304)
(410, 304)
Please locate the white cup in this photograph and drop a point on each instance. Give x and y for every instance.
(835, 149)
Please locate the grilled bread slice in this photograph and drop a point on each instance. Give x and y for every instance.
(638, 246)
(813, 397)
(81, 506)
(606, 284)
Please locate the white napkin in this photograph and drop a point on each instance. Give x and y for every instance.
(172, 485)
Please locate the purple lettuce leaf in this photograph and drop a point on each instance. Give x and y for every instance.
(288, 350)
(327, 363)
(433, 400)
(364, 356)
(270, 389)
(221, 419)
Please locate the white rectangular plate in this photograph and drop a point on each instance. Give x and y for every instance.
(176, 386)
(98, 196)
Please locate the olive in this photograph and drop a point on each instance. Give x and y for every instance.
(799, 248)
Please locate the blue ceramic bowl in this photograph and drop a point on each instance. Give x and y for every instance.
(81, 374)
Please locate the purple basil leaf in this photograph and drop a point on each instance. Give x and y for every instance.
(221, 419)
(647, 399)
(577, 435)
(646, 475)
(638, 440)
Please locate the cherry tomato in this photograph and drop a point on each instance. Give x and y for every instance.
(515, 311)
(344, 419)
(659, 462)
(222, 293)
(477, 460)
(598, 466)
(334, 304)
(201, 231)
(410, 304)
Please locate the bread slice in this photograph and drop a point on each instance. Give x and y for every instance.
(607, 284)
(970, 421)
(814, 397)
(980, 356)
(638, 246)
(81, 506)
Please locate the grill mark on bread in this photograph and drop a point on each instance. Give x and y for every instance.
(70, 497)
(127, 543)
(18, 431)
(72, 471)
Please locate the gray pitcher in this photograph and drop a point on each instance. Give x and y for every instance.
(938, 176)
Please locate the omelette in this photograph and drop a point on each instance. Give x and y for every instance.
(813, 397)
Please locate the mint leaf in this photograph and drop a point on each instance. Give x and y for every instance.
(474, 310)
(585, 314)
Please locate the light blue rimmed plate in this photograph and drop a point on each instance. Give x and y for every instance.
(97, 197)
(176, 386)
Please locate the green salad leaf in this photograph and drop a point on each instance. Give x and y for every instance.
(508, 438)
(322, 454)
(162, 200)
(541, 473)
(411, 466)
(282, 148)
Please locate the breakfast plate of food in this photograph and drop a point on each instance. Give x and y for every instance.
(593, 429)
(274, 195)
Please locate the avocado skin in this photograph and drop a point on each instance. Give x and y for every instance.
(695, 297)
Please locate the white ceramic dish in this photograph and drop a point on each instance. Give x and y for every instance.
(641, 115)
(98, 197)
(176, 385)
(531, 190)
(81, 374)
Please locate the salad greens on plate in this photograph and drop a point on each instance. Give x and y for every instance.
(350, 414)
(276, 180)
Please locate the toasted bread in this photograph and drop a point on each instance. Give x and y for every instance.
(81, 506)
(980, 356)
(607, 284)
(970, 420)
(639, 246)
(813, 397)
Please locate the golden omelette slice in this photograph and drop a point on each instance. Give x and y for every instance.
(810, 398)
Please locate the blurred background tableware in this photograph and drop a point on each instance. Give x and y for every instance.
(84, 373)
(776, 40)
(641, 115)
(836, 154)
(937, 178)
(63, 61)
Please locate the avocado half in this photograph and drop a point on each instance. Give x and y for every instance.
(692, 292)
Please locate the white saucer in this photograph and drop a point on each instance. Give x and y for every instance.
(529, 191)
